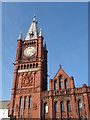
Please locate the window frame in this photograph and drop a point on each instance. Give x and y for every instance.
(61, 82)
(68, 106)
(21, 102)
(62, 107)
(30, 102)
(55, 85)
(80, 104)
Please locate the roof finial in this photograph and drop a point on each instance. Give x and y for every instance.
(20, 36)
(34, 18)
(40, 34)
(60, 66)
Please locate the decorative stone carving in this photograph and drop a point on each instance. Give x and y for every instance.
(27, 80)
(34, 106)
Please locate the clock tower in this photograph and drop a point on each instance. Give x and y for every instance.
(30, 74)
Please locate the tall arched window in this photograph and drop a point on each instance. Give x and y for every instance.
(62, 106)
(21, 102)
(61, 82)
(25, 103)
(69, 106)
(79, 105)
(55, 85)
(66, 84)
(30, 102)
(56, 107)
(46, 108)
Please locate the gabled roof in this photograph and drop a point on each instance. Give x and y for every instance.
(61, 72)
(33, 31)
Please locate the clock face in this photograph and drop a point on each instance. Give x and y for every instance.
(29, 51)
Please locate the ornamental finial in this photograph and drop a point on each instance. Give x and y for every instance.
(40, 34)
(20, 36)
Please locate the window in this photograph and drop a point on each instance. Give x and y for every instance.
(33, 65)
(21, 102)
(69, 106)
(28, 66)
(61, 82)
(79, 105)
(25, 104)
(66, 84)
(30, 102)
(46, 108)
(62, 107)
(55, 85)
(81, 118)
(37, 65)
(56, 107)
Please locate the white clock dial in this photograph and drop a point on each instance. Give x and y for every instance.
(29, 51)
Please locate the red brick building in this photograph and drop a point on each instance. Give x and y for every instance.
(30, 98)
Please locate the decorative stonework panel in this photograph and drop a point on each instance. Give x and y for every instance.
(27, 80)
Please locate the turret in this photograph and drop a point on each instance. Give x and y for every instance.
(19, 46)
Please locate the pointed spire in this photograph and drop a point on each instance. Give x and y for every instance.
(40, 34)
(33, 31)
(20, 36)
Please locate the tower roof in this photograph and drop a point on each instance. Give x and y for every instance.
(33, 30)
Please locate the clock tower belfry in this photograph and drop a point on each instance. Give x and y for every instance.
(30, 74)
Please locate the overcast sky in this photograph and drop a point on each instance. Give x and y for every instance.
(65, 30)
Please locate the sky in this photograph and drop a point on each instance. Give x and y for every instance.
(65, 30)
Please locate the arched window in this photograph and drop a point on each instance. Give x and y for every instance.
(61, 82)
(30, 102)
(56, 107)
(66, 84)
(69, 106)
(79, 105)
(55, 85)
(21, 102)
(81, 118)
(46, 108)
(25, 104)
(62, 106)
